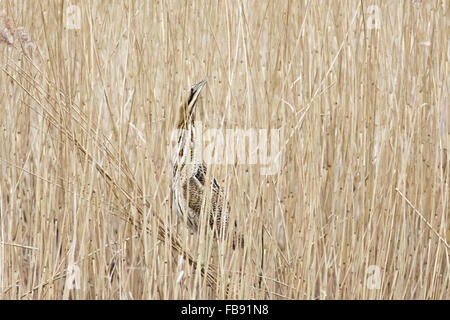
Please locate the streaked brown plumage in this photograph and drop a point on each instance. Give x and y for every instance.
(190, 173)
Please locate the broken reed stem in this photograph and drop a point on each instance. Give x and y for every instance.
(423, 218)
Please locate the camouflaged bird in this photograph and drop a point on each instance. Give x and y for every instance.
(189, 181)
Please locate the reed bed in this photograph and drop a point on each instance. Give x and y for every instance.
(357, 90)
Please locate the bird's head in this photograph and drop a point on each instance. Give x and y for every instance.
(187, 110)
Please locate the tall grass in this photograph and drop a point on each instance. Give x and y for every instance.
(359, 209)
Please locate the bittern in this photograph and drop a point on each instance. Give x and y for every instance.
(189, 181)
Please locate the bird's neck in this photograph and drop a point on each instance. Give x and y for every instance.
(189, 146)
